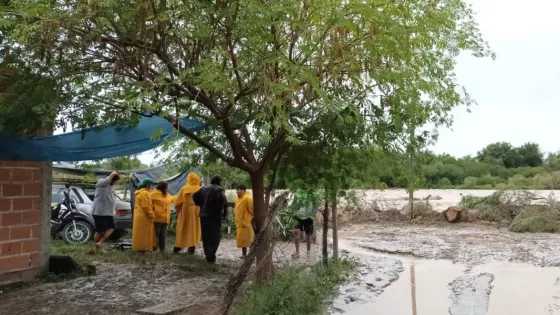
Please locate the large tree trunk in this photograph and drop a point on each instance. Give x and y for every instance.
(326, 230)
(264, 255)
(334, 197)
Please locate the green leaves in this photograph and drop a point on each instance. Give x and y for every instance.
(281, 70)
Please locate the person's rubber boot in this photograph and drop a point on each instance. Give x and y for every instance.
(176, 250)
(191, 250)
(211, 260)
(243, 252)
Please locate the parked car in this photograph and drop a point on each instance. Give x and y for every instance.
(84, 199)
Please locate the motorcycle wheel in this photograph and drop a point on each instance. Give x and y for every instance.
(82, 234)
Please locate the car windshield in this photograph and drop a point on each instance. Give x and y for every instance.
(56, 195)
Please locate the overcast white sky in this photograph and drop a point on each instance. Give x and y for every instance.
(518, 93)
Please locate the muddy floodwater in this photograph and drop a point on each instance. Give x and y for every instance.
(470, 278)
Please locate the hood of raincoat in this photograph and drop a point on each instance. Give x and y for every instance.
(141, 190)
(193, 183)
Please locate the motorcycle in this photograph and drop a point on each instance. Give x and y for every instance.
(65, 219)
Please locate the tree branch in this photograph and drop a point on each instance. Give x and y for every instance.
(199, 140)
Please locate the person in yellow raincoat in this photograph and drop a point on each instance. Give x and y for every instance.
(243, 218)
(188, 221)
(143, 223)
(161, 200)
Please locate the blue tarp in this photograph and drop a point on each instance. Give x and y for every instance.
(174, 183)
(94, 143)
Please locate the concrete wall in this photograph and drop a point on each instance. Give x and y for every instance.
(25, 194)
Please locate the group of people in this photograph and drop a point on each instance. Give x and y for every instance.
(200, 212)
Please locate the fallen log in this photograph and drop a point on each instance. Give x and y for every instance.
(453, 214)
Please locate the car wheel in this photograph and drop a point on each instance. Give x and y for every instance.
(79, 235)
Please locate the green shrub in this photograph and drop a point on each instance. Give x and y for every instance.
(444, 183)
(295, 290)
(536, 219)
(473, 202)
(469, 182)
(520, 182)
(488, 181)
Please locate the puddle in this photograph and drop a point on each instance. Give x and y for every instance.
(439, 287)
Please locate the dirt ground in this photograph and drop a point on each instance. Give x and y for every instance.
(126, 288)
(383, 252)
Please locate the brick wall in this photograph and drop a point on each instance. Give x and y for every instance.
(24, 219)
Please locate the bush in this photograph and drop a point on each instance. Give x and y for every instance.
(444, 183)
(520, 182)
(470, 182)
(473, 202)
(295, 290)
(536, 219)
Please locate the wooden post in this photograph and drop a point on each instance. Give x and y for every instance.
(334, 197)
(326, 230)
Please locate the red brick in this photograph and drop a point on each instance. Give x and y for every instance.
(20, 232)
(9, 164)
(37, 203)
(13, 263)
(31, 246)
(4, 234)
(28, 164)
(32, 189)
(11, 219)
(5, 174)
(22, 175)
(34, 260)
(5, 204)
(12, 248)
(22, 204)
(31, 217)
(36, 231)
(11, 189)
(37, 175)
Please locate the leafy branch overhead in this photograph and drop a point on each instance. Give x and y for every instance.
(258, 71)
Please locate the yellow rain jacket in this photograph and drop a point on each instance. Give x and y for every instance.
(143, 225)
(162, 206)
(188, 221)
(243, 218)
(162, 210)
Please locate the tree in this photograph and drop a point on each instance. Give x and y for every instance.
(501, 151)
(256, 71)
(553, 161)
(531, 154)
(28, 102)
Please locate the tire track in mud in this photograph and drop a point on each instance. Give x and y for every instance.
(470, 294)
(374, 274)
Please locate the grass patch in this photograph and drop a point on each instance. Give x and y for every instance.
(84, 256)
(536, 219)
(296, 290)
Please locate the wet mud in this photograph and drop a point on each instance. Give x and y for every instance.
(461, 270)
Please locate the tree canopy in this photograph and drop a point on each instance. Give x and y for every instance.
(258, 72)
(504, 153)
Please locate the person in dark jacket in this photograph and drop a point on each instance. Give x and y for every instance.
(213, 209)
